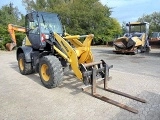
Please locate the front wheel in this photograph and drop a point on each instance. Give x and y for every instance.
(51, 72)
(148, 49)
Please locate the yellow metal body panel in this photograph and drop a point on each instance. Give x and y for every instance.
(143, 39)
(136, 23)
(62, 54)
(137, 41)
(76, 55)
(86, 56)
(27, 42)
(121, 39)
(71, 55)
(82, 49)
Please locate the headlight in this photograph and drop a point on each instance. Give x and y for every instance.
(46, 37)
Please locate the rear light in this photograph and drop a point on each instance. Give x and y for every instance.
(44, 37)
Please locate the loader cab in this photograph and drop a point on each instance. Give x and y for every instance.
(39, 25)
(137, 28)
(140, 30)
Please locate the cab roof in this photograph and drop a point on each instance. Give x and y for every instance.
(136, 23)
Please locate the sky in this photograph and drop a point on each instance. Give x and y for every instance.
(131, 10)
(16, 3)
(123, 10)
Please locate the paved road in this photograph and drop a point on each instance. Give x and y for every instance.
(24, 97)
(143, 63)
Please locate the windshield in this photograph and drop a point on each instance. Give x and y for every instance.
(139, 29)
(50, 22)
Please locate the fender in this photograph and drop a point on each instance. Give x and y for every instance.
(27, 50)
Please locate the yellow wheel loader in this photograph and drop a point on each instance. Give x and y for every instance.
(48, 50)
(135, 41)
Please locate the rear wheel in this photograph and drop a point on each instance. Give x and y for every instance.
(24, 67)
(51, 72)
(148, 49)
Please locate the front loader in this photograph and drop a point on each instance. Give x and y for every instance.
(135, 40)
(49, 51)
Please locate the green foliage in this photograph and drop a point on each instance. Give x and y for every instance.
(153, 19)
(19, 37)
(9, 14)
(4, 37)
(81, 16)
(78, 16)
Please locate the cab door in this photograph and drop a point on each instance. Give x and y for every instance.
(32, 29)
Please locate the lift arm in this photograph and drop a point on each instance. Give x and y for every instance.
(11, 29)
(79, 54)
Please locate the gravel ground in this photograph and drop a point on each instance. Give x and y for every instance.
(24, 97)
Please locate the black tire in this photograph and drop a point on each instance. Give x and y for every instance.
(24, 68)
(51, 71)
(148, 49)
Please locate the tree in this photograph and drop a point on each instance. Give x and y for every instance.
(9, 14)
(80, 16)
(153, 19)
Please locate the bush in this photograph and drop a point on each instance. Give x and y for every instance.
(7, 39)
(19, 38)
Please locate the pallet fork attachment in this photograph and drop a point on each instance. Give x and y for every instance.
(105, 69)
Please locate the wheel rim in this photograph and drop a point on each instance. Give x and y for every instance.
(21, 64)
(44, 72)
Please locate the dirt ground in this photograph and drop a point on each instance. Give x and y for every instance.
(24, 97)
